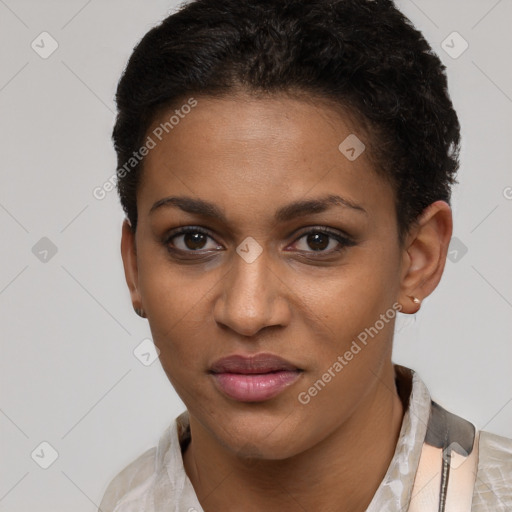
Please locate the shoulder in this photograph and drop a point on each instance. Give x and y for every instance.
(130, 483)
(155, 475)
(493, 485)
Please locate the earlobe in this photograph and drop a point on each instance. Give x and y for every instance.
(129, 256)
(424, 256)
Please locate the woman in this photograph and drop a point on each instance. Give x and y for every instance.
(285, 169)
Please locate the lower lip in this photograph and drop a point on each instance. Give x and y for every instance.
(256, 387)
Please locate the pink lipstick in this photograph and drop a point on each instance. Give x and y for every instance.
(253, 378)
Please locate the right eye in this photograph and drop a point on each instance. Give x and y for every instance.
(189, 239)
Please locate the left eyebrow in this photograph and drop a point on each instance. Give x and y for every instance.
(311, 206)
(283, 214)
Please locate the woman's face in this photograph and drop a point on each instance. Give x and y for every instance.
(301, 262)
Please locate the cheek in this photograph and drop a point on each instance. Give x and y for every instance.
(176, 313)
(352, 295)
(169, 292)
(349, 322)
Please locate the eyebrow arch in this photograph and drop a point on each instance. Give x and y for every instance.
(285, 213)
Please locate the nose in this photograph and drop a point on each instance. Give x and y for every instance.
(253, 297)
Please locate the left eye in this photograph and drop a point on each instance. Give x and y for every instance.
(320, 240)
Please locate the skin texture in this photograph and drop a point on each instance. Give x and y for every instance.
(250, 156)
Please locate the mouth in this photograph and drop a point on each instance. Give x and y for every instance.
(253, 378)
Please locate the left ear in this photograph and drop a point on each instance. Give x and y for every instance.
(424, 254)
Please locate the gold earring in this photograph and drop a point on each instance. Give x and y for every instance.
(140, 312)
(414, 299)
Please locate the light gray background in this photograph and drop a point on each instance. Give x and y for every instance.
(68, 373)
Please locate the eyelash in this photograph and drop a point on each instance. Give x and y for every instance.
(343, 240)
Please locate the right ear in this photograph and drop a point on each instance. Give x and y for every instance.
(129, 255)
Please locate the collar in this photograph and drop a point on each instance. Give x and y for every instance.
(394, 492)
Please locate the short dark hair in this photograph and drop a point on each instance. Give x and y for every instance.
(363, 55)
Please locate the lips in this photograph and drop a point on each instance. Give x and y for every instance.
(253, 378)
(260, 363)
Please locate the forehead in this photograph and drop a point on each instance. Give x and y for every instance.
(243, 149)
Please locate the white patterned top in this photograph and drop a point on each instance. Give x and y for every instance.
(156, 481)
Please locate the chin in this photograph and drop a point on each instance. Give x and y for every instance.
(252, 451)
(260, 439)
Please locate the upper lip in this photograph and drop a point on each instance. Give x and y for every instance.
(259, 363)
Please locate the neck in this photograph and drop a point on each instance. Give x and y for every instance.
(348, 465)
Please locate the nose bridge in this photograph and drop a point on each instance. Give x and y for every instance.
(249, 298)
